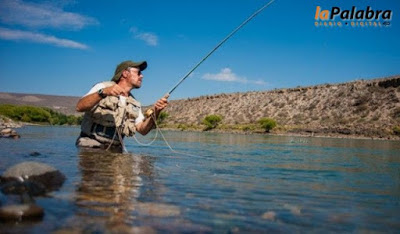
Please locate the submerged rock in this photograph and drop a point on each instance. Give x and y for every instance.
(21, 212)
(269, 215)
(36, 173)
(123, 228)
(35, 153)
(157, 209)
(29, 187)
(26, 180)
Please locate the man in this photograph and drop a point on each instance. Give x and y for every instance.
(111, 112)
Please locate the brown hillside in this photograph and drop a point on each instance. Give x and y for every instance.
(63, 104)
(362, 108)
(365, 108)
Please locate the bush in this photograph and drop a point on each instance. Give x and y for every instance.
(211, 121)
(267, 124)
(25, 113)
(182, 127)
(161, 117)
(396, 130)
(38, 115)
(247, 127)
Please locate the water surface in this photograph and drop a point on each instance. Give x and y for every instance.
(218, 183)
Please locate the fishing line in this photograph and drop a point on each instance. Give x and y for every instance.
(158, 131)
(150, 112)
(146, 144)
(169, 146)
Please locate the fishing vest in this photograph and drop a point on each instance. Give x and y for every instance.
(109, 113)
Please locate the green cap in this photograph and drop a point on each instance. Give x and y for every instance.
(124, 65)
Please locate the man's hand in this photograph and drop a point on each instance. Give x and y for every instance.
(115, 90)
(88, 102)
(160, 105)
(146, 126)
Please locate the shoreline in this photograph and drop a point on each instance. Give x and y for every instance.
(290, 134)
(13, 124)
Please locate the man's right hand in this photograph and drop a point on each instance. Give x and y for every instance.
(114, 90)
(87, 102)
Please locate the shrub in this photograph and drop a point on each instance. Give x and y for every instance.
(211, 121)
(248, 127)
(38, 115)
(182, 127)
(161, 117)
(396, 130)
(26, 118)
(267, 124)
(26, 113)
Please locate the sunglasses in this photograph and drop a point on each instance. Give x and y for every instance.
(138, 72)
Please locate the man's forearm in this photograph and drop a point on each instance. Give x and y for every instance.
(88, 102)
(145, 126)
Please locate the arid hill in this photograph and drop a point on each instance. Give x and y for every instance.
(63, 104)
(368, 108)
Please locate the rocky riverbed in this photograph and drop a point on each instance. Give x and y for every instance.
(7, 128)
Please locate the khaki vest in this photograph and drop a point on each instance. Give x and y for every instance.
(110, 112)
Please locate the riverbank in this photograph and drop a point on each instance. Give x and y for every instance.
(368, 109)
(280, 132)
(9, 123)
(238, 129)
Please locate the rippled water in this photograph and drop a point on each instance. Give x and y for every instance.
(220, 183)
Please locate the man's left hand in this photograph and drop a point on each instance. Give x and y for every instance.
(160, 105)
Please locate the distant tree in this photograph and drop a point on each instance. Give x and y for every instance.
(37, 115)
(267, 123)
(396, 130)
(71, 120)
(162, 117)
(211, 121)
(25, 118)
(182, 127)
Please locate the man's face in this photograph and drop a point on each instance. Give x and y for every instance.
(135, 77)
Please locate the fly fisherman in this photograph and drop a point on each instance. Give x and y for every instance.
(111, 111)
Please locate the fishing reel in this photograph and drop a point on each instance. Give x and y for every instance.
(149, 112)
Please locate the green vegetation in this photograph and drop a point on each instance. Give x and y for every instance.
(186, 127)
(161, 118)
(267, 123)
(211, 121)
(248, 127)
(33, 114)
(182, 127)
(396, 130)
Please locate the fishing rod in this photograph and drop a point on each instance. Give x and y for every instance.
(222, 42)
(150, 111)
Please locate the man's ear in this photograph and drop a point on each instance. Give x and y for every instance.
(125, 73)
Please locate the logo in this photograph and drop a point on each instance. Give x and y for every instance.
(337, 17)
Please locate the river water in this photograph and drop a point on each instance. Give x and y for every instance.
(215, 183)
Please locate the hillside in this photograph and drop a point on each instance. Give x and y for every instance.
(368, 108)
(63, 104)
(364, 108)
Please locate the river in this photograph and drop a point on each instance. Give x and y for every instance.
(214, 183)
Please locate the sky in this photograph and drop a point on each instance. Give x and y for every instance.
(64, 47)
